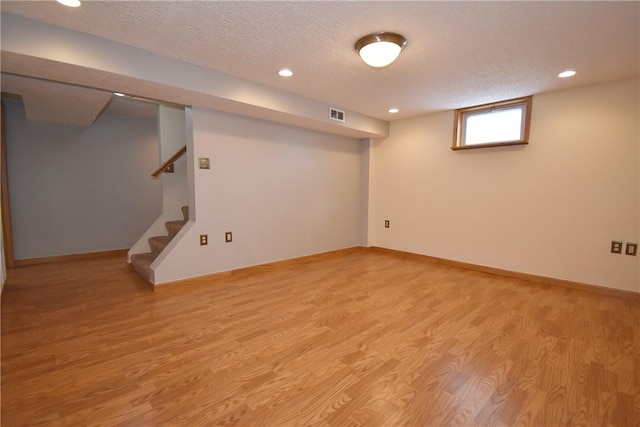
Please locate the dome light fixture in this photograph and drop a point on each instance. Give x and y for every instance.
(380, 49)
(285, 72)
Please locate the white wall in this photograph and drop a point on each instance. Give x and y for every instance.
(175, 191)
(550, 208)
(78, 190)
(284, 192)
(172, 135)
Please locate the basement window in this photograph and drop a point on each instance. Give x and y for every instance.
(492, 125)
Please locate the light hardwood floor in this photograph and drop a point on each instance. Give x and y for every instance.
(358, 338)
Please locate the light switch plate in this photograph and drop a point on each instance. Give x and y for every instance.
(203, 162)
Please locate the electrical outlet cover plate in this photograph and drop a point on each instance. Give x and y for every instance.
(616, 247)
(203, 239)
(632, 249)
(386, 223)
(228, 237)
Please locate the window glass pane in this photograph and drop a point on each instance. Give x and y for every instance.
(499, 125)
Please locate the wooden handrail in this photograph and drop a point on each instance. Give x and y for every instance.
(169, 161)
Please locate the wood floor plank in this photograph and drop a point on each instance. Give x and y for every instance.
(354, 338)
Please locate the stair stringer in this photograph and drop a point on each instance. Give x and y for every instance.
(162, 257)
(142, 244)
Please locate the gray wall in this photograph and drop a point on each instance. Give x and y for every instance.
(78, 190)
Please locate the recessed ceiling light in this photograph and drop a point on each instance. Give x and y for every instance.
(567, 73)
(70, 3)
(393, 110)
(285, 72)
(118, 94)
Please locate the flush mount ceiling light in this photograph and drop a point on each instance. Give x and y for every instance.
(380, 49)
(285, 72)
(70, 3)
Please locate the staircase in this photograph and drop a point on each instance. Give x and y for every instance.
(142, 262)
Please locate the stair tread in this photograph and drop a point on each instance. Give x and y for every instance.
(142, 264)
(158, 243)
(143, 257)
(173, 227)
(180, 222)
(160, 239)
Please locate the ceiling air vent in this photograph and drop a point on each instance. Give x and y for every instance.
(335, 114)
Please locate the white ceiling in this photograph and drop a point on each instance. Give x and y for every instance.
(46, 101)
(458, 53)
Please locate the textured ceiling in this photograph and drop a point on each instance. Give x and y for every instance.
(458, 53)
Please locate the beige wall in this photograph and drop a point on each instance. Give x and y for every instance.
(3, 267)
(550, 208)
